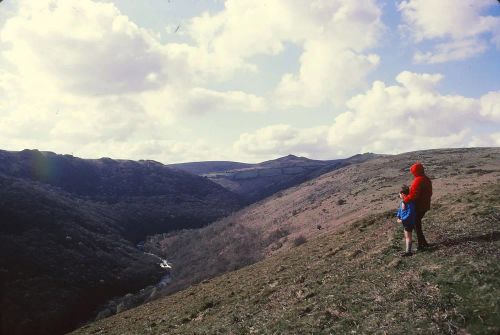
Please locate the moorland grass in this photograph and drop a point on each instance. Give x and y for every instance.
(351, 282)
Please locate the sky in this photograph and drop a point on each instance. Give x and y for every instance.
(248, 80)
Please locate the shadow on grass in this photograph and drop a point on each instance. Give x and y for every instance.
(489, 237)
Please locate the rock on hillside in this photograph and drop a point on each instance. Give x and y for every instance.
(148, 196)
(313, 208)
(348, 276)
(259, 181)
(61, 258)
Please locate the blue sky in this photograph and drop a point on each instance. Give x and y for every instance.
(243, 80)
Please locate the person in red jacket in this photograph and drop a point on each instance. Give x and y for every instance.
(420, 193)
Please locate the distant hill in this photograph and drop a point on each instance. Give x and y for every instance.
(148, 196)
(255, 182)
(329, 258)
(200, 168)
(68, 228)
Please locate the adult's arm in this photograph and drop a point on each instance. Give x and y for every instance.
(415, 189)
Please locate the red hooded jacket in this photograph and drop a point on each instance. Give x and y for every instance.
(420, 189)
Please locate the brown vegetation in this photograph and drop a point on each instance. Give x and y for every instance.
(258, 231)
(254, 182)
(351, 279)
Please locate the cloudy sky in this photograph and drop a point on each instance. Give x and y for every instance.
(248, 80)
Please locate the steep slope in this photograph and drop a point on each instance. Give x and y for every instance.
(314, 208)
(148, 196)
(189, 250)
(68, 227)
(61, 258)
(259, 181)
(350, 278)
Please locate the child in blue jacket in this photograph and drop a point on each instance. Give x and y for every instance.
(406, 216)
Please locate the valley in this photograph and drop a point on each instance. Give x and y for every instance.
(69, 229)
(346, 275)
(254, 182)
(314, 208)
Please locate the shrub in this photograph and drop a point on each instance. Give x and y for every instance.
(277, 234)
(299, 240)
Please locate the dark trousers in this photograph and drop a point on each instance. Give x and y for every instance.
(418, 229)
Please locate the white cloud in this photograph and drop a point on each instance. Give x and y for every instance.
(490, 106)
(90, 48)
(82, 77)
(452, 50)
(411, 115)
(334, 62)
(166, 151)
(325, 75)
(282, 139)
(459, 27)
(246, 28)
(84, 47)
(334, 36)
(201, 100)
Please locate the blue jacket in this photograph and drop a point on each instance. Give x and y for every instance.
(408, 214)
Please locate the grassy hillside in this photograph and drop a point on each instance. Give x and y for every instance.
(314, 208)
(349, 278)
(259, 181)
(352, 280)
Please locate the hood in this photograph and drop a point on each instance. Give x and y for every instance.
(417, 169)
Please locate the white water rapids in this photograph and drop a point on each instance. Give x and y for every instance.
(163, 262)
(166, 278)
